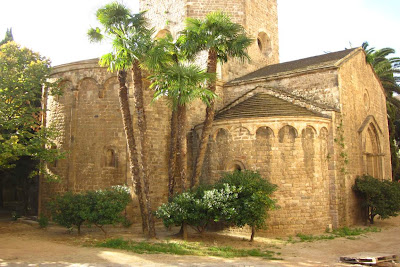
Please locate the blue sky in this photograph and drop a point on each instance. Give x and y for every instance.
(57, 29)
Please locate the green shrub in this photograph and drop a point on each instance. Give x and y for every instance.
(198, 207)
(253, 201)
(99, 207)
(69, 210)
(43, 221)
(379, 197)
(105, 206)
(238, 199)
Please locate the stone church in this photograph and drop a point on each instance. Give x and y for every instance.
(310, 126)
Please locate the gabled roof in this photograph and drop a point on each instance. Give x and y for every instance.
(302, 65)
(262, 103)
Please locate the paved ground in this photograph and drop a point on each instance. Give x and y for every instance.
(26, 245)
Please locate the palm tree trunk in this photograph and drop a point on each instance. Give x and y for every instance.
(144, 142)
(172, 154)
(132, 151)
(181, 139)
(208, 122)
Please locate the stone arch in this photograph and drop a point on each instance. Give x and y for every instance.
(323, 133)
(108, 86)
(308, 143)
(222, 135)
(67, 86)
(372, 152)
(240, 133)
(372, 156)
(235, 165)
(264, 43)
(87, 88)
(162, 34)
(264, 136)
(287, 134)
(110, 157)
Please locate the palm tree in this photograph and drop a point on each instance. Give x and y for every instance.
(222, 39)
(181, 82)
(385, 67)
(131, 40)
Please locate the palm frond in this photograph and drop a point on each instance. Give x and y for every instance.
(95, 35)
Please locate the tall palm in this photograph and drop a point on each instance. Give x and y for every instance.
(131, 40)
(181, 82)
(222, 39)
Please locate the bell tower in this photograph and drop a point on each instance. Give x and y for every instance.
(258, 17)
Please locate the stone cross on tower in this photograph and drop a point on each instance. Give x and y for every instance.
(258, 17)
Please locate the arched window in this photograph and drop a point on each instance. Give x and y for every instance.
(372, 157)
(264, 43)
(111, 158)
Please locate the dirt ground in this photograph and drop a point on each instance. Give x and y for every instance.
(22, 244)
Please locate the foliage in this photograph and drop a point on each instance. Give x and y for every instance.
(385, 67)
(379, 197)
(105, 206)
(69, 210)
(216, 32)
(253, 199)
(183, 249)
(8, 37)
(43, 221)
(198, 207)
(22, 75)
(239, 199)
(99, 207)
(346, 232)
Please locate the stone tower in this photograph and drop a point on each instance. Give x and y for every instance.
(259, 18)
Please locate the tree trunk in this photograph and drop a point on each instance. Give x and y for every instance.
(208, 122)
(253, 233)
(181, 139)
(144, 142)
(132, 151)
(184, 231)
(172, 154)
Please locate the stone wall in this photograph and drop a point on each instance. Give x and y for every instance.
(89, 123)
(258, 17)
(363, 107)
(320, 86)
(290, 152)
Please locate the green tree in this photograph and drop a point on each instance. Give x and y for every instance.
(222, 39)
(22, 75)
(379, 197)
(181, 82)
(8, 38)
(131, 41)
(386, 67)
(253, 201)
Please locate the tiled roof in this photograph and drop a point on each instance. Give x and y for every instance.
(264, 105)
(317, 62)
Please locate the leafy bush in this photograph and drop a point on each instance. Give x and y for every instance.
(253, 199)
(69, 210)
(379, 197)
(198, 207)
(43, 221)
(105, 206)
(238, 199)
(99, 207)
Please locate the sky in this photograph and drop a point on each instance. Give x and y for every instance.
(57, 29)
